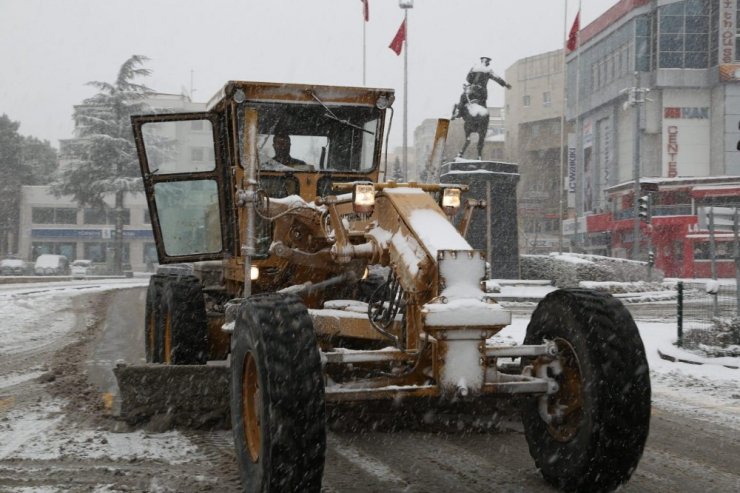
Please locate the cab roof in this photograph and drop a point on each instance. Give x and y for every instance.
(299, 93)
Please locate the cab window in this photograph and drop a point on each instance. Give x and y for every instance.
(338, 139)
(174, 147)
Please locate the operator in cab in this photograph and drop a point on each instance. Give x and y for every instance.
(282, 160)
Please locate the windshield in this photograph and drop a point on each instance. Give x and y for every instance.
(312, 137)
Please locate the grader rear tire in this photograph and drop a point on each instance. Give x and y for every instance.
(152, 330)
(183, 323)
(277, 396)
(604, 392)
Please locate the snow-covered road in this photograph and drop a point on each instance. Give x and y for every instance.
(49, 445)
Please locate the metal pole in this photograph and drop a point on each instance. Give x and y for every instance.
(713, 258)
(489, 232)
(364, 49)
(579, 133)
(636, 173)
(712, 244)
(649, 234)
(650, 262)
(562, 135)
(405, 96)
(679, 314)
(737, 261)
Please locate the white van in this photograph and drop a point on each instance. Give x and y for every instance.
(51, 265)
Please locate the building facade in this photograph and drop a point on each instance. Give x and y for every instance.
(59, 225)
(534, 107)
(686, 129)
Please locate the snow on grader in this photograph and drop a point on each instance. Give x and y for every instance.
(316, 285)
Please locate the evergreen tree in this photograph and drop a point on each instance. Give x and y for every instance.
(23, 161)
(104, 161)
(12, 175)
(397, 173)
(41, 160)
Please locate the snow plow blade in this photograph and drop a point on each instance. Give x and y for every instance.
(187, 396)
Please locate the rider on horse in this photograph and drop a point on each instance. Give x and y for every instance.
(475, 87)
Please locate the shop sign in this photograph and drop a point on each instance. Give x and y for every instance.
(727, 12)
(672, 151)
(569, 226)
(571, 164)
(694, 113)
(89, 234)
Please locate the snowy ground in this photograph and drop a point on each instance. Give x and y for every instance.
(37, 320)
(39, 316)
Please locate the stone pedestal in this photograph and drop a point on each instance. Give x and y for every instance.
(502, 179)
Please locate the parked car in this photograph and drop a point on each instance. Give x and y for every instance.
(13, 266)
(51, 265)
(82, 268)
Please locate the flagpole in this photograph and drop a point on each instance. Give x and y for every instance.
(579, 142)
(406, 96)
(562, 132)
(364, 49)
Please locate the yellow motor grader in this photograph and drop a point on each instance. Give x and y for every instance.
(318, 285)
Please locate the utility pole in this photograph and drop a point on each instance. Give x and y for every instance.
(635, 98)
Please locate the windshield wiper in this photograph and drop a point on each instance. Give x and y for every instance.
(330, 114)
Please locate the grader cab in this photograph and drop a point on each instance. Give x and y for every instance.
(320, 285)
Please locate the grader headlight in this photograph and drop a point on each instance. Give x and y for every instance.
(363, 198)
(451, 200)
(254, 273)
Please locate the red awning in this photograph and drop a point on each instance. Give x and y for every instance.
(701, 193)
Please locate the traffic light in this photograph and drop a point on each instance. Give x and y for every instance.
(651, 257)
(643, 208)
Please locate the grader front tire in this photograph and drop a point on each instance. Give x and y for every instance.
(277, 396)
(600, 416)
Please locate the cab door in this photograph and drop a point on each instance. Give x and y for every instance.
(185, 181)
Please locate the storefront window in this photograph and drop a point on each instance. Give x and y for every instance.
(95, 252)
(723, 250)
(67, 249)
(150, 253)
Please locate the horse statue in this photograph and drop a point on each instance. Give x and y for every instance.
(475, 115)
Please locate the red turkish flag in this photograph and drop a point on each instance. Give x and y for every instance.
(397, 43)
(366, 9)
(573, 36)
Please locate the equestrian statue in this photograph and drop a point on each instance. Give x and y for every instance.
(472, 107)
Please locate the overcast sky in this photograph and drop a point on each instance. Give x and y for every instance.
(51, 48)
